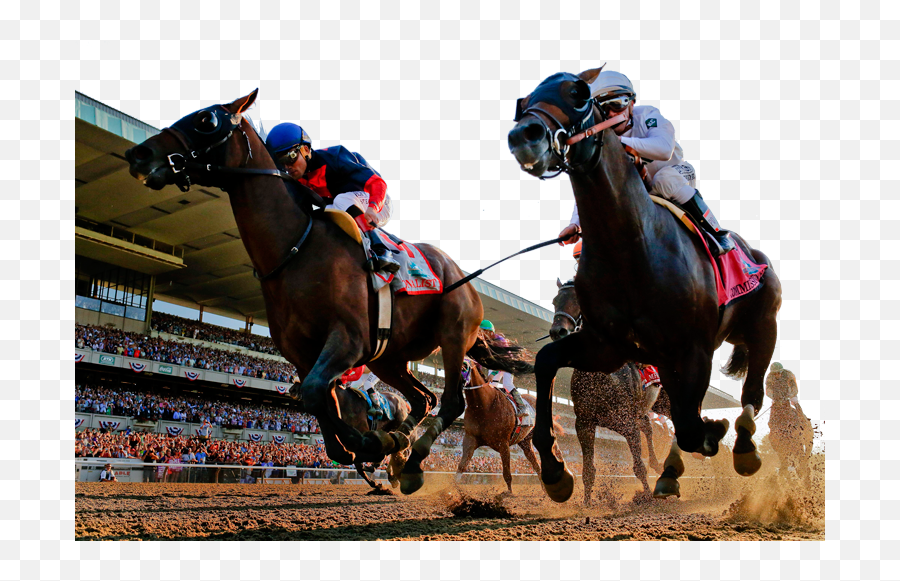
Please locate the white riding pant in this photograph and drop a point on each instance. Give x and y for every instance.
(361, 201)
(675, 182)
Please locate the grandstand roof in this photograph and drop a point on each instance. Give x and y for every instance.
(190, 240)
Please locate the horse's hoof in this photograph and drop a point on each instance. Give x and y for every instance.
(747, 463)
(561, 490)
(666, 487)
(380, 490)
(411, 482)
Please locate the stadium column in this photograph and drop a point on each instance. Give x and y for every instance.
(249, 323)
(149, 311)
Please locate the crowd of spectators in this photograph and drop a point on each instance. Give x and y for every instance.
(165, 323)
(140, 346)
(165, 449)
(145, 405)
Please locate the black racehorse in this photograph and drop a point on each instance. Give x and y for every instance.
(645, 285)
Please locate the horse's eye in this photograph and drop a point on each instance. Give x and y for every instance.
(206, 122)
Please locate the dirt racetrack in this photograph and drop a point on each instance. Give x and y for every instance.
(764, 507)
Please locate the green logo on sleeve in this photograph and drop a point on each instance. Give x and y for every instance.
(651, 123)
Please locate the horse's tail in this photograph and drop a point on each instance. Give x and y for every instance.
(500, 355)
(738, 363)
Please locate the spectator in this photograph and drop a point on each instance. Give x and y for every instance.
(108, 474)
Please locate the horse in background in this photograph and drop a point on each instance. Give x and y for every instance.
(615, 401)
(490, 420)
(790, 431)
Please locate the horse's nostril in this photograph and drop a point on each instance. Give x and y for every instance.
(139, 153)
(533, 132)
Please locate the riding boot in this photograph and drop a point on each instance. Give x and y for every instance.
(382, 258)
(375, 410)
(520, 404)
(698, 210)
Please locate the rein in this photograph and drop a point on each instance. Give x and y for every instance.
(180, 165)
(477, 273)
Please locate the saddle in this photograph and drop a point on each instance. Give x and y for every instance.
(736, 275)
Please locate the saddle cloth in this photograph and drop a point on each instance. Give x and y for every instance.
(524, 425)
(736, 275)
(649, 375)
(415, 277)
(380, 403)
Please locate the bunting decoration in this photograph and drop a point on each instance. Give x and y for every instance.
(192, 375)
(239, 382)
(109, 424)
(278, 439)
(78, 422)
(137, 367)
(174, 430)
(255, 437)
(282, 389)
(79, 357)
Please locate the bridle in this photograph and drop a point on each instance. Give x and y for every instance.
(204, 131)
(563, 138)
(579, 322)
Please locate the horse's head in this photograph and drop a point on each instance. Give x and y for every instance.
(559, 108)
(181, 154)
(567, 318)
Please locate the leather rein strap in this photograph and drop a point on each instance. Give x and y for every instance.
(595, 129)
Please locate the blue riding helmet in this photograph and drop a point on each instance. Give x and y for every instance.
(285, 136)
(487, 325)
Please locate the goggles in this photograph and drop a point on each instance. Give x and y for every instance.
(614, 105)
(291, 155)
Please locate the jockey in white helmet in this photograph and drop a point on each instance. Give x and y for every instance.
(652, 136)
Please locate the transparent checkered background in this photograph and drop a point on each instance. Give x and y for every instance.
(788, 112)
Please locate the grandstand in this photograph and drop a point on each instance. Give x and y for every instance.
(134, 246)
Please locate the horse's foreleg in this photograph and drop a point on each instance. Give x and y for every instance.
(586, 431)
(469, 445)
(667, 484)
(528, 450)
(633, 437)
(452, 406)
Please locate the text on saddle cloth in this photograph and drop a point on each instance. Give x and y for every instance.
(415, 277)
(736, 275)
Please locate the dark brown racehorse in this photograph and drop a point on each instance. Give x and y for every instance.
(320, 306)
(614, 401)
(645, 285)
(489, 421)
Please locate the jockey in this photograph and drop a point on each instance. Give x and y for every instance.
(652, 136)
(363, 379)
(342, 178)
(503, 379)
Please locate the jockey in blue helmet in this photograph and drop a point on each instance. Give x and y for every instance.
(344, 179)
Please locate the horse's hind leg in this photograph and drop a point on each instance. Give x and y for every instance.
(528, 450)
(647, 428)
(421, 400)
(586, 431)
(507, 469)
(761, 346)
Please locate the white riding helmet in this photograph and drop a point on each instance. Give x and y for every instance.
(609, 84)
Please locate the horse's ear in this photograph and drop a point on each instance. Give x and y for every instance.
(239, 105)
(558, 283)
(589, 75)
